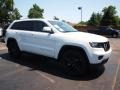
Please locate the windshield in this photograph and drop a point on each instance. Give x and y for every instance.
(62, 26)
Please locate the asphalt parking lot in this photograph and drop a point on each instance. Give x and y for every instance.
(32, 72)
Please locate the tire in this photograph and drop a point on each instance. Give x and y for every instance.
(13, 49)
(114, 35)
(74, 62)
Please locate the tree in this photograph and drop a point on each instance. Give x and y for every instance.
(82, 23)
(109, 16)
(35, 12)
(15, 14)
(6, 8)
(92, 20)
(95, 19)
(99, 18)
(119, 20)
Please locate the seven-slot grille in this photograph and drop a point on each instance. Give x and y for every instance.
(106, 46)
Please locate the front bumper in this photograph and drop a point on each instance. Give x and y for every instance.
(100, 56)
(102, 63)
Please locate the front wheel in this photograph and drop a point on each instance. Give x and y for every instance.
(74, 62)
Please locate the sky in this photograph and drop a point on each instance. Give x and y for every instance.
(66, 9)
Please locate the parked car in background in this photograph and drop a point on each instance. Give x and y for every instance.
(106, 31)
(1, 34)
(0, 31)
(4, 29)
(118, 32)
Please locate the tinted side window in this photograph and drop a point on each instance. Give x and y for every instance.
(16, 25)
(23, 25)
(38, 25)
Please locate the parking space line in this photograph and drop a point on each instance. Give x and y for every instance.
(0, 57)
(46, 77)
(11, 73)
(115, 78)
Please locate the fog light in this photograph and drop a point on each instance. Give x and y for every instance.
(100, 57)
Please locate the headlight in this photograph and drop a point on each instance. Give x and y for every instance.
(96, 45)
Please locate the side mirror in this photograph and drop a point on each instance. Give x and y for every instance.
(48, 29)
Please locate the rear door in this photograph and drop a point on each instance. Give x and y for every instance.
(24, 37)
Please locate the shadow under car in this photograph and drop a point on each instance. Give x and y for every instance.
(48, 65)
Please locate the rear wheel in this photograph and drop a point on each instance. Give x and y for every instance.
(114, 35)
(13, 49)
(74, 62)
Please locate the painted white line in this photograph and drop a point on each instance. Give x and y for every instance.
(11, 73)
(2, 49)
(46, 77)
(115, 78)
(0, 57)
(17, 65)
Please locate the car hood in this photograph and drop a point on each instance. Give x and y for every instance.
(85, 37)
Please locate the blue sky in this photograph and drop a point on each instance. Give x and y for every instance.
(66, 9)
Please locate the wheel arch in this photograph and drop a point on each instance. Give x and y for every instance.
(11, 40)
(68, 47)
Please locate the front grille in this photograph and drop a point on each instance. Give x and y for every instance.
(106, 46)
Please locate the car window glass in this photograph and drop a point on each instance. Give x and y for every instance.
(23, 25)
(16, 25)
(27, 25)
(39, 25)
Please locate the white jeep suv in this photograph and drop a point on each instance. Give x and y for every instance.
(56, 39)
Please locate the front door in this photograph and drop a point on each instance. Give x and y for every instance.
(43, 43)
